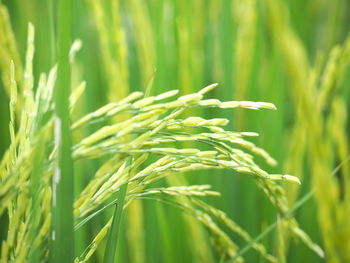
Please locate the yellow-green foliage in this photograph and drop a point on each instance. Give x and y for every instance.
(8, 53)
(315, 91)
(155, 123)
(144, 62)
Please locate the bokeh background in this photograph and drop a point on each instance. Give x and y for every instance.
(293, 53)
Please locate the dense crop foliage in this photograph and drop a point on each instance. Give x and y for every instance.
(116, 147)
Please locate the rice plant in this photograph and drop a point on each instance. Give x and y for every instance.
(29, 167)
(116, 149)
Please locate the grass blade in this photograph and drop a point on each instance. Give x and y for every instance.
(271, 227)
(297, 205)
(62, 249)
(113, 235)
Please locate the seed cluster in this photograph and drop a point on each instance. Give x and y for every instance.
(145, 128)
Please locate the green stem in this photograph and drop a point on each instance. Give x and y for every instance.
(270, 228)
(302, 201)
(113, 234)
(62, 249)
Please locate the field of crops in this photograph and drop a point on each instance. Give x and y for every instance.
(201, 131)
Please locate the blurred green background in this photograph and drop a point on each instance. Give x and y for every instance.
(278, 51)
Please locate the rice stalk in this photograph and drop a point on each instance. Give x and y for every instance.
(111, 39)
(62, 240)
(9, 52)
(330, 205)
(144, 36)
(245, 14)
(111, 247)
(152, 127)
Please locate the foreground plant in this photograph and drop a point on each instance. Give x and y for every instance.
(137, 149)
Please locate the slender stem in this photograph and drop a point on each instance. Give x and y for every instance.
(303, 200)
(62, 207)
(270, 227)
(113, 234)
(51, 33)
